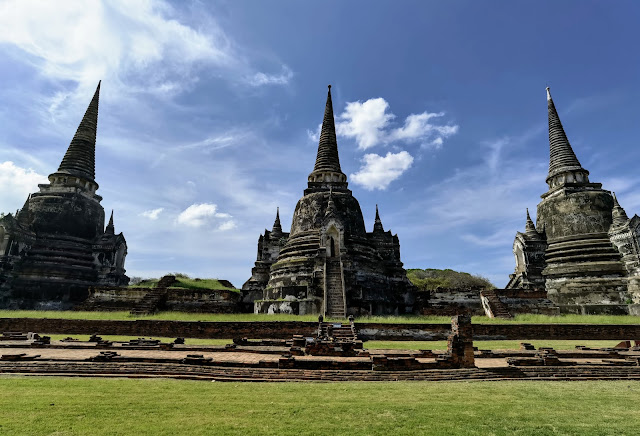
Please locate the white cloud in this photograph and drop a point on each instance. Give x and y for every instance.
(227, 225)
(378, 172)
(370, 124)
(17, 183)
(152, 214)
(365, 122)
(198, 215)
(260, 78)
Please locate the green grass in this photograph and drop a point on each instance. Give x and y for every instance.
(75, 406)
(238, 317)
(187, 283)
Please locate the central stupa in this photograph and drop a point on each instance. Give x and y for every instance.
(328, 263)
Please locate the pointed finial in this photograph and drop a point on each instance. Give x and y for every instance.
(277, 227)
(377, 225)
(530, 228)
(618, 214)
(110, 227)
(80, 158)
(548, 94)
(329, 88)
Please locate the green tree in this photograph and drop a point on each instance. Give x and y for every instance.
(430, 279)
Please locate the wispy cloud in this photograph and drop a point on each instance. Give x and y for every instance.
(497, 189)
(417, 128)
(218, 141)
(124, 42)
(315, 136)
(261, 79)
(152, 214)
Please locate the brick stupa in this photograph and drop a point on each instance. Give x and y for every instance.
(328, 263)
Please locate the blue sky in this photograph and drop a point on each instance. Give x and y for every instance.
(209, 114)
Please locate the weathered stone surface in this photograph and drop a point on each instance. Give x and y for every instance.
(585, 251)
(329, 263)
(57, 246)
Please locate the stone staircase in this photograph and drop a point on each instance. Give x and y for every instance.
(150, 303)
(340, 332)
(493, 307)
(153, 299)
(334, 294)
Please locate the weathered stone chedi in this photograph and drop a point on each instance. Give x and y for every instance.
(56, 246)
(329, 263)
(583, 249)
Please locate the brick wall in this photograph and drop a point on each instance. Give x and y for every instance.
(285, 330)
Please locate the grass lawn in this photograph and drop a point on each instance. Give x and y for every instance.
(76, 406)
(239, 317)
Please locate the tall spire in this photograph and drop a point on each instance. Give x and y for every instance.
(377, 225)
(110, 227)
(617, 213)
(327, 158)
(79, 160)
(562, 158)
(277, 228)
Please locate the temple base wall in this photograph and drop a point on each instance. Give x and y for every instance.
(176, 299)
(291, 306)
(590, 295)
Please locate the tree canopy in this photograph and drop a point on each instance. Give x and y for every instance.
(430, 279)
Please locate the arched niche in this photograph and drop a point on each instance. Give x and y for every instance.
(518, 251)
(332, 241)
(120, 255)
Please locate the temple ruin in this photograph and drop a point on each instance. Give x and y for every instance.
(583, 250)
(329, 264)
(56, 246)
